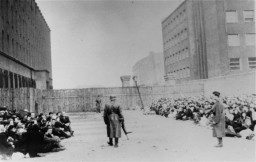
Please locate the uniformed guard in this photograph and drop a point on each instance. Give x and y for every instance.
(113, 118)
(98, 104)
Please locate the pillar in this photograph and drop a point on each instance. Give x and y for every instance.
(1, 79)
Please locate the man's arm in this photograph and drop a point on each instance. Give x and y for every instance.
(121, 117)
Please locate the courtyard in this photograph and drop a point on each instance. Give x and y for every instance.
(153, 138)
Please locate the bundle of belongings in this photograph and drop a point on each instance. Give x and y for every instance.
(31, 134)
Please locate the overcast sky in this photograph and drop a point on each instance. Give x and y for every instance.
(93, 43)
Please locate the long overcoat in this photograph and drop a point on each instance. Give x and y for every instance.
(98, 104)
(112, 117)
(219, 119)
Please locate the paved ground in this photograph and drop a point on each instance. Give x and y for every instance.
(154, 138)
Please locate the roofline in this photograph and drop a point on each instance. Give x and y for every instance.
(37, 7)
(173, 11)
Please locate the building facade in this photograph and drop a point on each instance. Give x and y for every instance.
(204, 39)
(25, 46)
(150, 70)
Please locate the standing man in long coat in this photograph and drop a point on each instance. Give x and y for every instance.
(113, 117)
(219, 119)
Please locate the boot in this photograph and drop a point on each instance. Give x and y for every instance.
(110, 143)
(220, 144)
(116, 142)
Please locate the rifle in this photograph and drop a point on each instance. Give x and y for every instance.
(124, 129)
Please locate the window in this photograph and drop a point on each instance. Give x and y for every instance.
(234, 64)
(231, 16)
(233, 40)
(250, 39)
(252, 62)
(248, 15)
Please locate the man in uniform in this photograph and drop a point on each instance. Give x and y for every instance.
(219, 119)
(98, 104)
(113, 118)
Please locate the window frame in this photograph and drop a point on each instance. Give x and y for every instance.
(232, 66)
(247, 40)
(230, 11)
(244, 18)
(239, 42)
(253, 62)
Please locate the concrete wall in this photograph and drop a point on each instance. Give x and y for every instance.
(84, 99)
(18, 99)
(236, 84)
(215, 38)
(72, 100)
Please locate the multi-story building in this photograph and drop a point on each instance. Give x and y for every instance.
(204, 39)
(25, 46)
(150, 70)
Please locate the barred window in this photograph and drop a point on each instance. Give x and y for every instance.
(231, 16)
(234, 64)
(248, 15)
(233, 40)
(252, 62)
(250, 39)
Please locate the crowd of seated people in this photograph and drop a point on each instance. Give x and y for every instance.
(239, 111)
(31, 134)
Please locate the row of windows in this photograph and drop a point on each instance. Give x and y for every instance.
(232, 16)
(175, 20)
(28, 33)
(18, 51)
(177, 37)
(175, 29)
(180, 73)
(28, 44)
(235, 64)
(175, 57)
(234, 39)
(18, 20)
